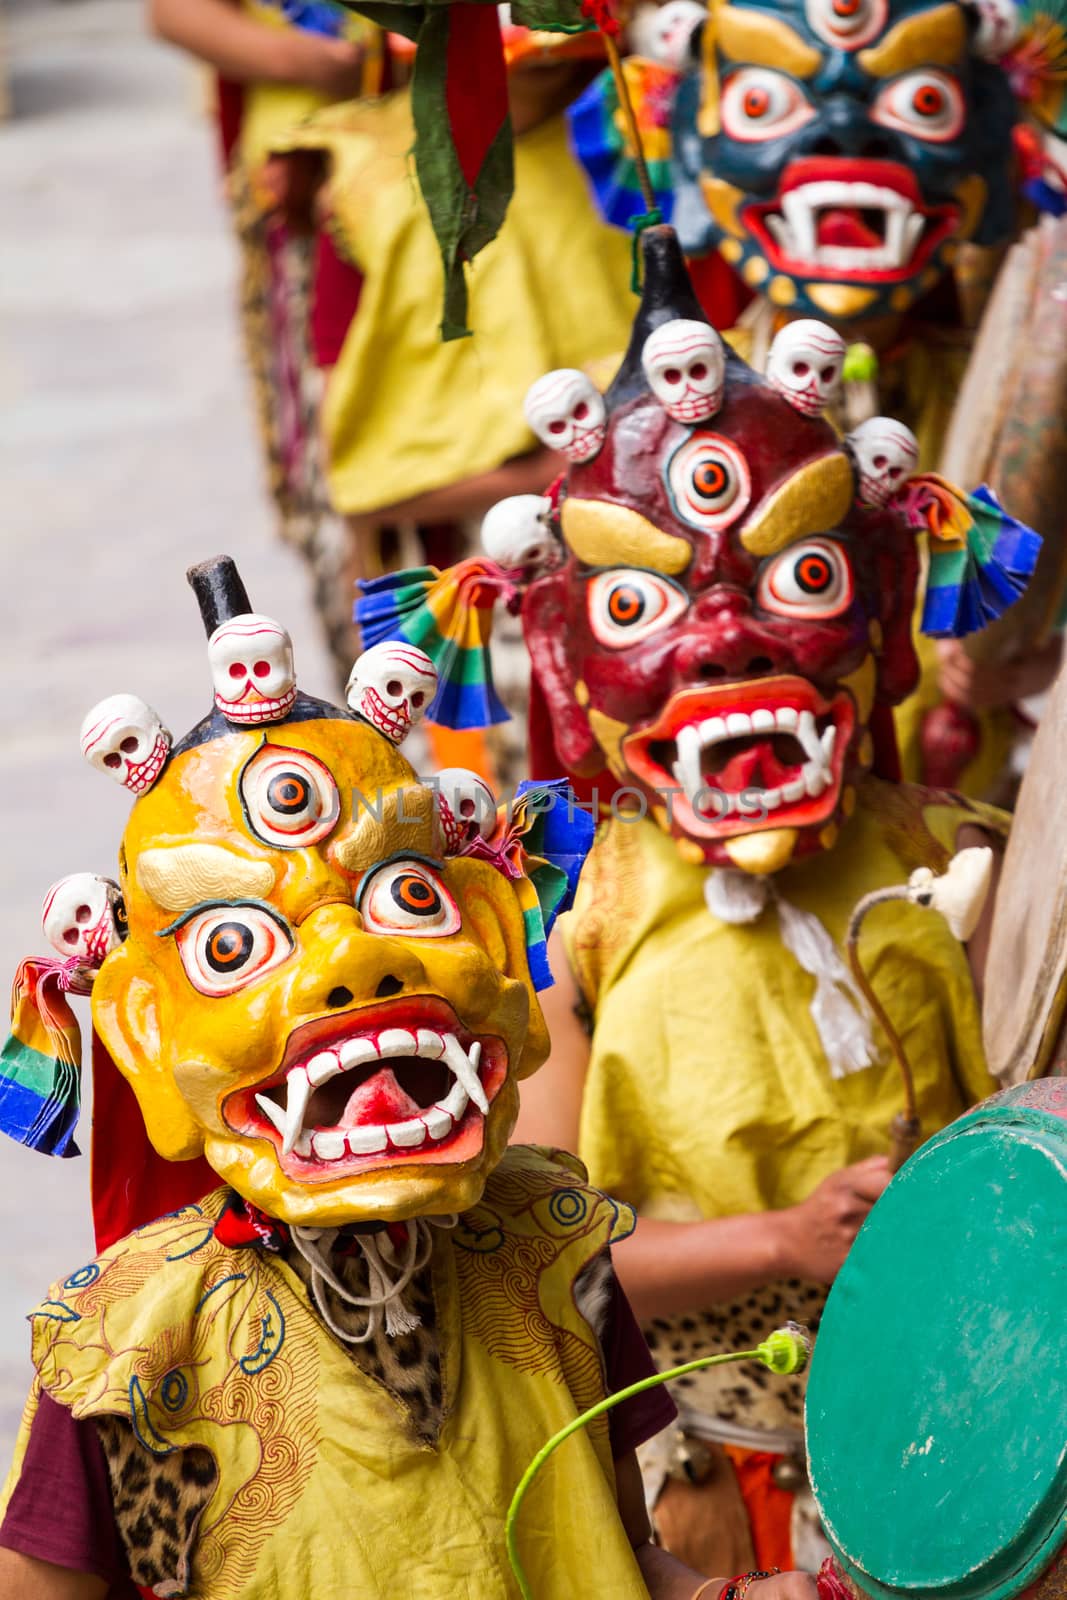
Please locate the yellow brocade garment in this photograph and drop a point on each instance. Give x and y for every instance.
(324, 1489)
(406, 413)
(708, 1093)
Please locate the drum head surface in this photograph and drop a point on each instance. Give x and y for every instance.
(937, 1404)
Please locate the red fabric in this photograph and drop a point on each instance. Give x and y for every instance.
(884, 738)
(718, 288)
(335, 291)
(770, 1509)
(476, 86)
(61, 1509)
(131, 1184)
(230, 101)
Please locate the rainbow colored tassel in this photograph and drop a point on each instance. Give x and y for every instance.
(981, 558)
(449, 615)
(541, 841)
(601, 146)
(40, 1065)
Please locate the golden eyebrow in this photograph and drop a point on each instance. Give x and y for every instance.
(812, 500)
(606, 535)
(750, 36)
(403, 822)
(937, 38)
(182, 875)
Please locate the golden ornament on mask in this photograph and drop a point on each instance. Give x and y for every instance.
(781, 291)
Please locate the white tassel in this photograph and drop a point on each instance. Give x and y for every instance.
(838, 1008)
(839, 1011)
(736, 897)
(384, 1302)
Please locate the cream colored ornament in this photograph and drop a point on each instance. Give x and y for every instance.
(960, 892)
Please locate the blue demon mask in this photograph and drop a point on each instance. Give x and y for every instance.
(837, 152)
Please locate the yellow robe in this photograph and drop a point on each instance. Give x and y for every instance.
(405, 413)
(708, 1093)
(324, 1489)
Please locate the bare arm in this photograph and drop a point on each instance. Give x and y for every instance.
(667, 1578)
(247, 51)
(671, 1267)
(25, 1578)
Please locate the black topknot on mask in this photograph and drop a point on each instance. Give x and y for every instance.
(221, 596)
(667, 294)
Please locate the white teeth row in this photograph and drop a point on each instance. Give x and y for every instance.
(795, 229)
(815, 775)
(330, 1144)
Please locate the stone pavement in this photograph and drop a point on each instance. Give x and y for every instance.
(126, 452)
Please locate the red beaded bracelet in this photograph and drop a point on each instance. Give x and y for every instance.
(737, 1588)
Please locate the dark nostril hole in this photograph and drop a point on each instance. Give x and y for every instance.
(340, 996)
(709, 670)
(388, 986)
(760, 664)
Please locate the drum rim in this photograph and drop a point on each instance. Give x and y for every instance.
(1019, 1105)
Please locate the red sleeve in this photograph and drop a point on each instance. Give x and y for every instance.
(627, 1360)
(60, 1510)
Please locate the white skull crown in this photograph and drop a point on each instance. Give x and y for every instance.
(124, 737)
(251, 661)
(516, 533)
(567, 412)
(805, 364)
(886, 453)
(80, 917)
(392, 686)
(999, 26)
(466, 806)
(685, 366)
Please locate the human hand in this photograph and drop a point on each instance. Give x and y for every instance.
(783, 1586)
(817, 1235)
(983, 686)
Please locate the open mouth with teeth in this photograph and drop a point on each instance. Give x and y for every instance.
(257, 708)
(764, 754)
(400, 1083)
(854, 218)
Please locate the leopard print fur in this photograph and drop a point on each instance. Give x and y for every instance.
(158, 1503)
(408, 1365)
(745, 1394)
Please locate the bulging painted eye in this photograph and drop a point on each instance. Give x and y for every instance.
(813, 579)
(289, 797)
(708, 481)
(927, 104)
(758, 103)
(626, 605)
(407, 897)
(226, 947)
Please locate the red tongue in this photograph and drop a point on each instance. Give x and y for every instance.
(757, 768)
(846, 227)
(379, 1099)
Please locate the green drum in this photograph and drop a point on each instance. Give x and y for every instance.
(937, 1402)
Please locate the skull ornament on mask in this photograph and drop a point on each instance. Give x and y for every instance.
(684, 364)
(83, 918)
(886, 453)
(466, 806)
(665, 33)
(392, 686)
(124, 737)
(805, 364)
(566, 411)
(251, 661)
(516, 533)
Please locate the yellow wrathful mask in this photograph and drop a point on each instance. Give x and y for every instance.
(321, 986)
